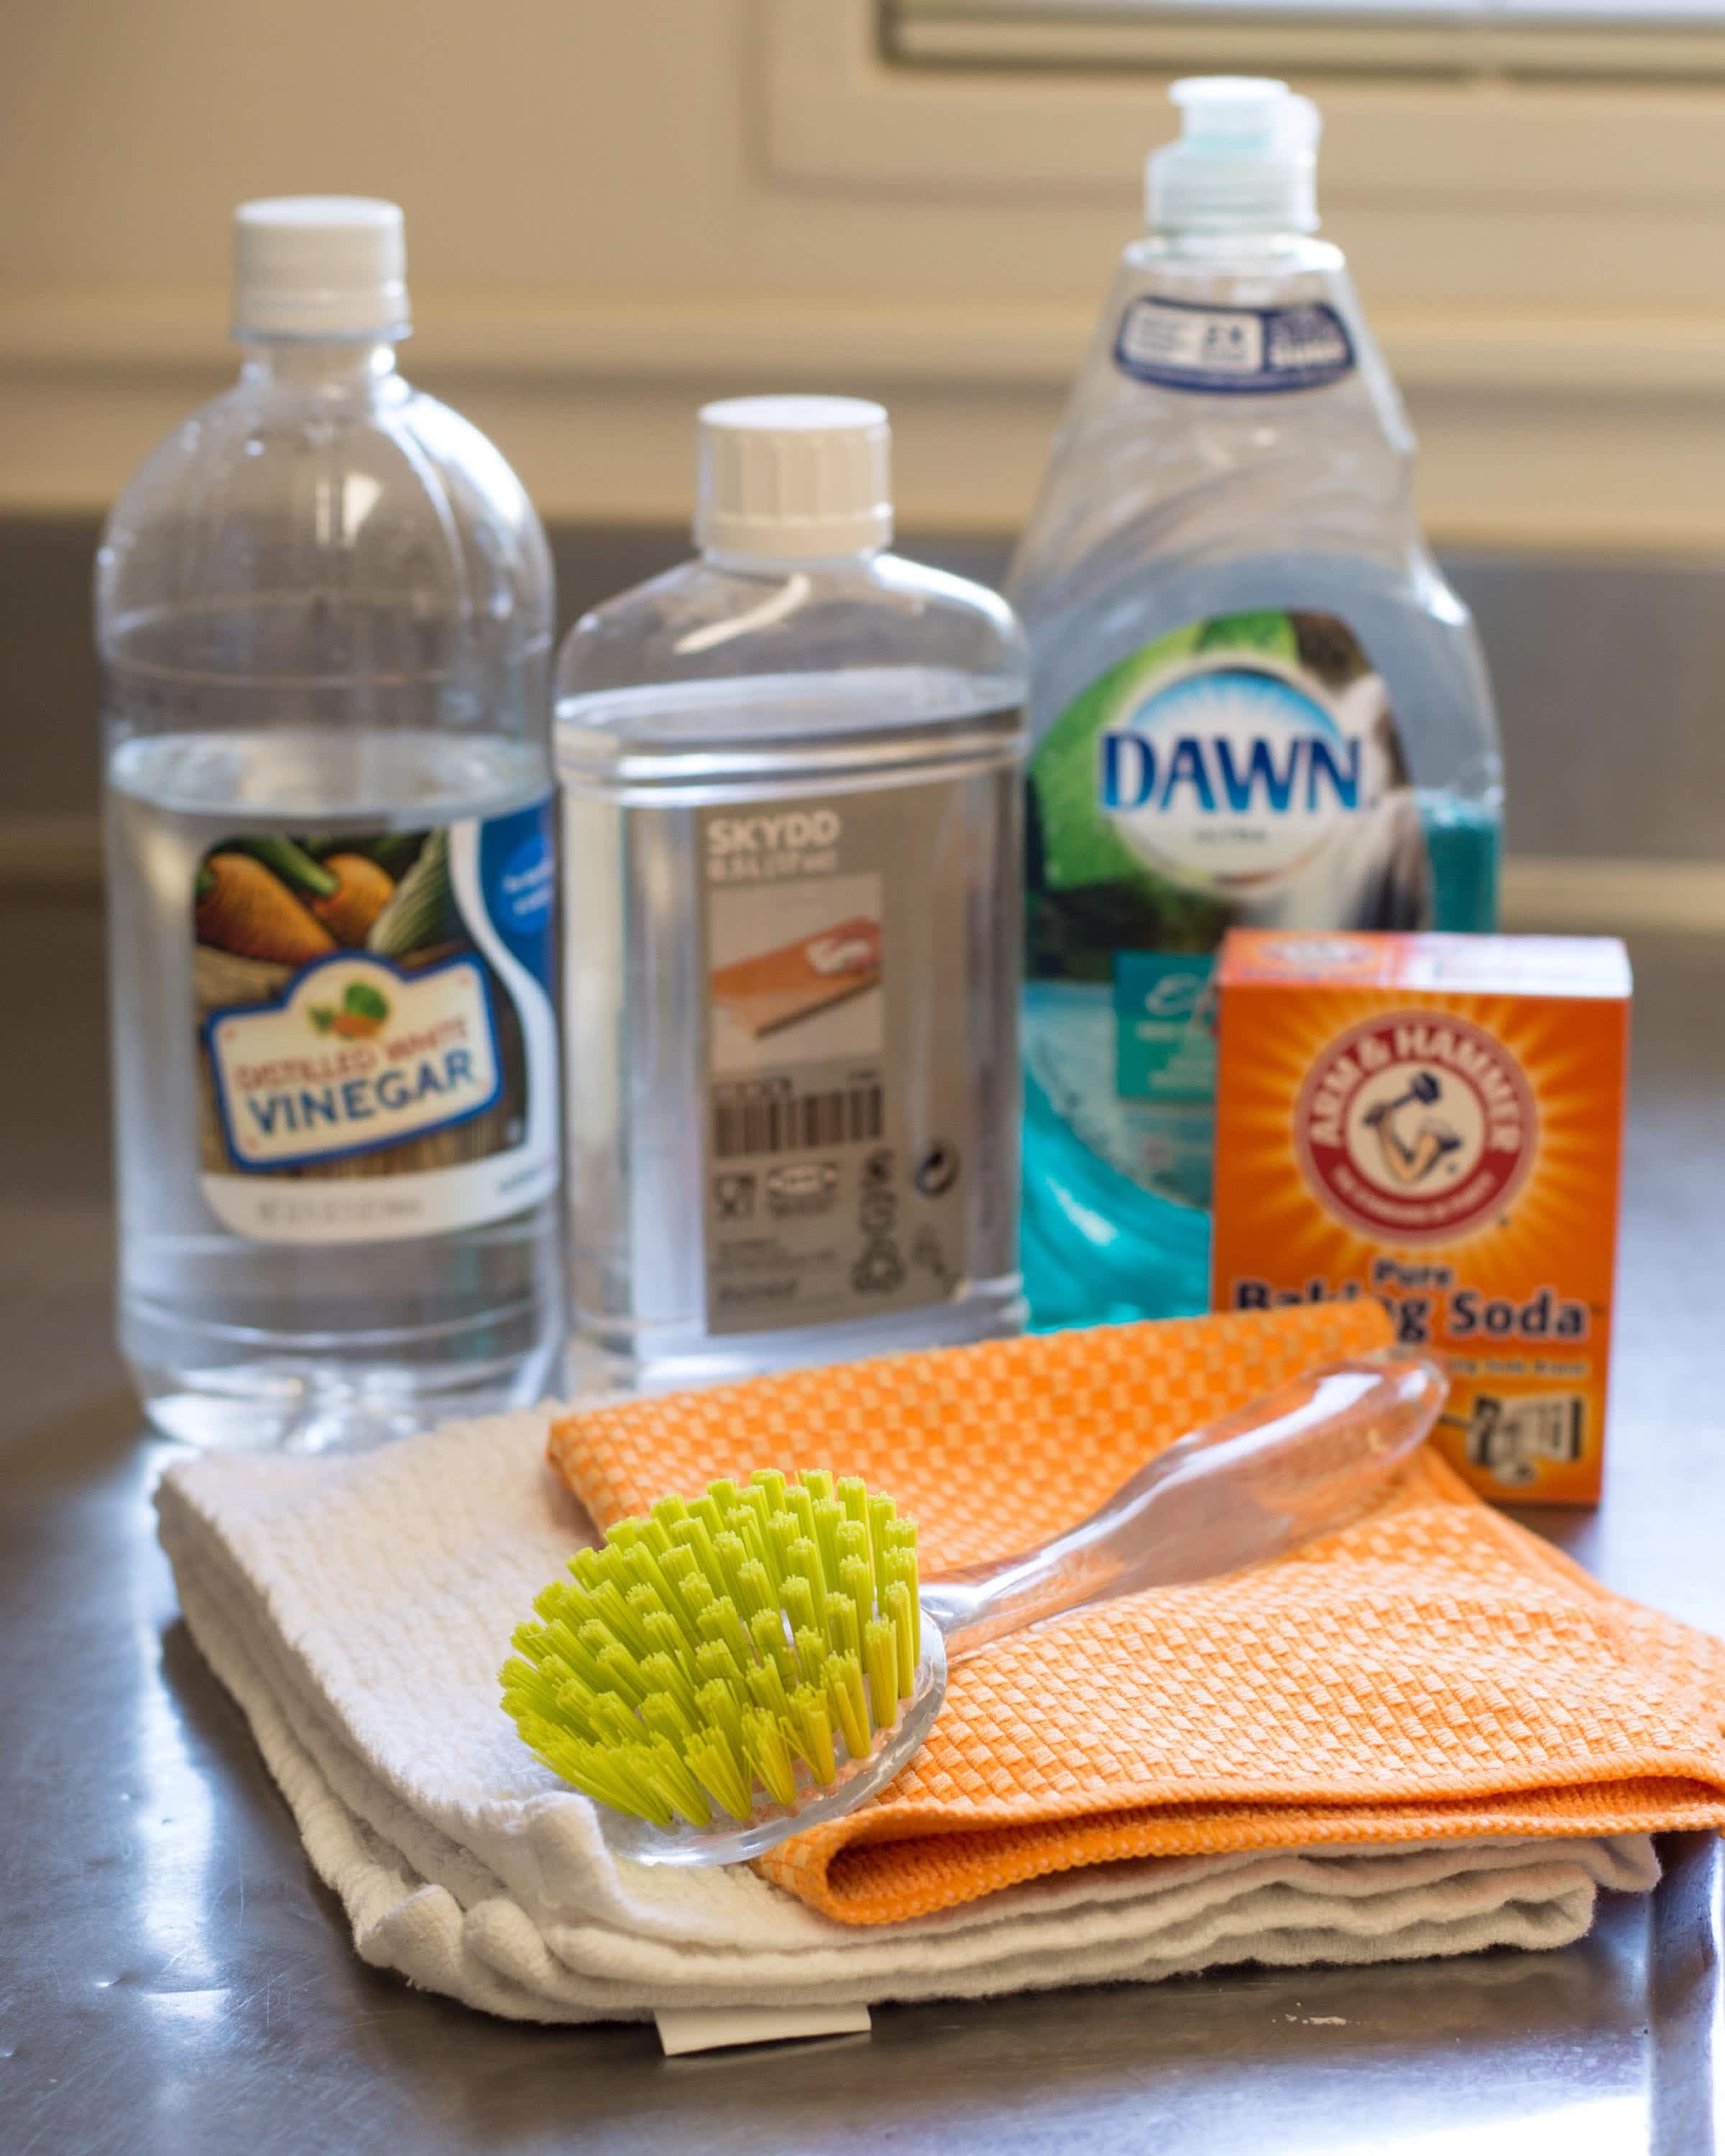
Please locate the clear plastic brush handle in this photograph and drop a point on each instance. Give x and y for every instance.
(1292, 1466)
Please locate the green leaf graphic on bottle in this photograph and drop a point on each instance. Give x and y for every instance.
(1080, 847)
(1271, 634)
(1090, 895)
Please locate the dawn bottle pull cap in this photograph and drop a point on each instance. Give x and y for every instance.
(1245, 159)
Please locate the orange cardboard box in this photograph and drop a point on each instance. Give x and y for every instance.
(1437, 1121)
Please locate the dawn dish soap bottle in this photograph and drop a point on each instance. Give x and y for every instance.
(324, 609)
(792, 776)
(1254, 698)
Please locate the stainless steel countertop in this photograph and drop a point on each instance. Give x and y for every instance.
(175, 1982)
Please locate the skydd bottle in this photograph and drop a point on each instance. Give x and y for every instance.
(324, 609)
(792, 773)
(1254, 698)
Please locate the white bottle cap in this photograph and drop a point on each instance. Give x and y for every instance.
(319, 266)
(782, 476)
(1245, 159)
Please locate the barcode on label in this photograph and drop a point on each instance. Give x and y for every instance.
(796, 1122)
(1510, 1438)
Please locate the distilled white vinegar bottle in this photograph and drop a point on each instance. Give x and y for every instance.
(791, 774)
(324, 609)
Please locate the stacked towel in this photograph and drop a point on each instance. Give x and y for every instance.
(358, 1609)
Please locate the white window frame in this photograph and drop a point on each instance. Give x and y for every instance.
(1462, 39)
(840, 112)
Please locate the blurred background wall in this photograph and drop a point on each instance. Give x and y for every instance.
(616, 211)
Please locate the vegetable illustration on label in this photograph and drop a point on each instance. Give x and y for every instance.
(362, 1012)
(360, 889)
(245, 907)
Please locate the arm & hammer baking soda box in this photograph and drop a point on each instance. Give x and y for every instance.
(1436, 1121)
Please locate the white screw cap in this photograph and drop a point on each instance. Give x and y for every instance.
(319, 266)
(1245, 159)
(785, 476)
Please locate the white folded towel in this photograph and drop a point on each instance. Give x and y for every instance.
(359, 1609)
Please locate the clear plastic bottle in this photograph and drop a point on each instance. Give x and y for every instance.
(1254, 698)
(324, 610)
(791, 775)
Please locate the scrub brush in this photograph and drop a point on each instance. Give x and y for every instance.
(732, 1670)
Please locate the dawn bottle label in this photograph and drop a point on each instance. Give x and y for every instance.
(376, 1045)
(1243, 770)
(1241, 351)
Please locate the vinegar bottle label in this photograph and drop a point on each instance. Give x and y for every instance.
(377, 1051)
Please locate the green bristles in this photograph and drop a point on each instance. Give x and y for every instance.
(827, 1517)
(719, 1620)
(714, 1655)
(754, 1589)
(853, 1541)
(811, 1653)
(524, 1683)
(857, 1580)
(677, 1568)
(881, 1660)
(811, 1724)
(733, 1556)
(808, 1562)
(899, 1569)
(699, 1593)
(715, 1663)
(695, 1536)
(717, 1763)
(850, 1708)
(666, 1678)
(782, 1533)
(666, 1718)
(718, 1705)
(666, 1634)
(766, 1746)
(766, 1683)
(843, 1632)
(766, 1634)
(901, 1605)
(772, 1482)
(801, 1591)
(880, 1513)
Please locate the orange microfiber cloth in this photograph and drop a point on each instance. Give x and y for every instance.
(1432, 1671)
